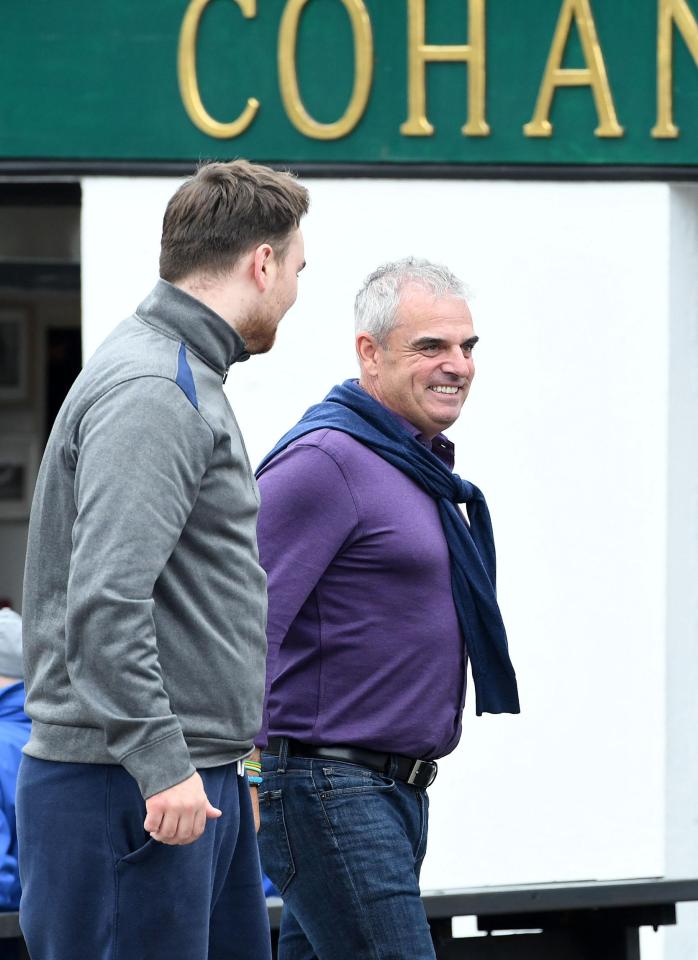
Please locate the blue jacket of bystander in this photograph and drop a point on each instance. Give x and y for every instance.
(15, 727)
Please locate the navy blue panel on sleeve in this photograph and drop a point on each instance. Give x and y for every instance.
(185, 378)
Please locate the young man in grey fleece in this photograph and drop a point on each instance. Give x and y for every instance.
(144, 606)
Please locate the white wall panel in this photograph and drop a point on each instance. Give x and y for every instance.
(682, 567)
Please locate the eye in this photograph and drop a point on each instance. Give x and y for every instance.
(430, 349)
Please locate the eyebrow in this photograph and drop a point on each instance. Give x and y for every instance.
(435, 342)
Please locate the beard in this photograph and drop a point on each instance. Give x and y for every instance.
(258, 331)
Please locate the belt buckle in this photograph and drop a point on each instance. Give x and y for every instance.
(415, 777)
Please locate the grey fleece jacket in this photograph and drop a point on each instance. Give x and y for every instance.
(145, 605)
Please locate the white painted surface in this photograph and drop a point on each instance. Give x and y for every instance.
(121, 227)
(682, 567)
(567, 431)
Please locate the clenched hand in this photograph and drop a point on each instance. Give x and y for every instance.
(178, 815)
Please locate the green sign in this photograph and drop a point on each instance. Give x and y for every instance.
(352, 81)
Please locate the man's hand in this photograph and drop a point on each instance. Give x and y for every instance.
(178, 815)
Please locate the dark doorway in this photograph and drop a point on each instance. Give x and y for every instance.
(63, 363)
(40, 346)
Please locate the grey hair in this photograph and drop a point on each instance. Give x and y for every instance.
(378, 300)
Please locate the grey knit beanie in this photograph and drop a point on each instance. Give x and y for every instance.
(10, 644)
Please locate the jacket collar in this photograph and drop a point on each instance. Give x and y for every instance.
(184, 318)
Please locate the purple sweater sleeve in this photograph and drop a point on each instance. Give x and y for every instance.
(307, 513)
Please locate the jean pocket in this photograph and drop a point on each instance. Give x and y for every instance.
(274, 845)
(343, 780)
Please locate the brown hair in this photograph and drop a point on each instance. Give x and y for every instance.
(223, 211)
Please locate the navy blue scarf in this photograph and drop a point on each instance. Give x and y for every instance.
(350, 409)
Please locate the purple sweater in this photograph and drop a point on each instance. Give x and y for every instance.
(364, 643)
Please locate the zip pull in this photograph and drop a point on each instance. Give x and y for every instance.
(225, 375)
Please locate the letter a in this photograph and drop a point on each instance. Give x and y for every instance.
(593, 75)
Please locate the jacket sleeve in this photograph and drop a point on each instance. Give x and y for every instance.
(139, 454)
(307, 513)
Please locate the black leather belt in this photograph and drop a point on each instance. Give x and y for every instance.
(418, 773)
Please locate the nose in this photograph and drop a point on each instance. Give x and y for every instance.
(458, 364)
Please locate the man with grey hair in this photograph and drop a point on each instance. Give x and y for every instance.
(379, 593)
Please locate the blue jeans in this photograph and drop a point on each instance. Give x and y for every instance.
(344, 846)
(95, 886)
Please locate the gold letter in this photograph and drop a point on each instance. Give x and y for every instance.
(421, 52)
(288, 77)
(594, 75)
(670, 12)
(188, 84)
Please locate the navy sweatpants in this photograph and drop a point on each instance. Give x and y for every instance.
(95, 886)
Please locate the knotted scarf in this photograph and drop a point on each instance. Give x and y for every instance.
(348, 408)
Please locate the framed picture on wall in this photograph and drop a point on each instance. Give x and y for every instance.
(18, 466)
(14, 333)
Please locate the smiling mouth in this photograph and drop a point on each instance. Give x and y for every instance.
(448, 391)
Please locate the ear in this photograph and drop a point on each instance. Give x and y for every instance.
(368, 350)
(263, 263)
